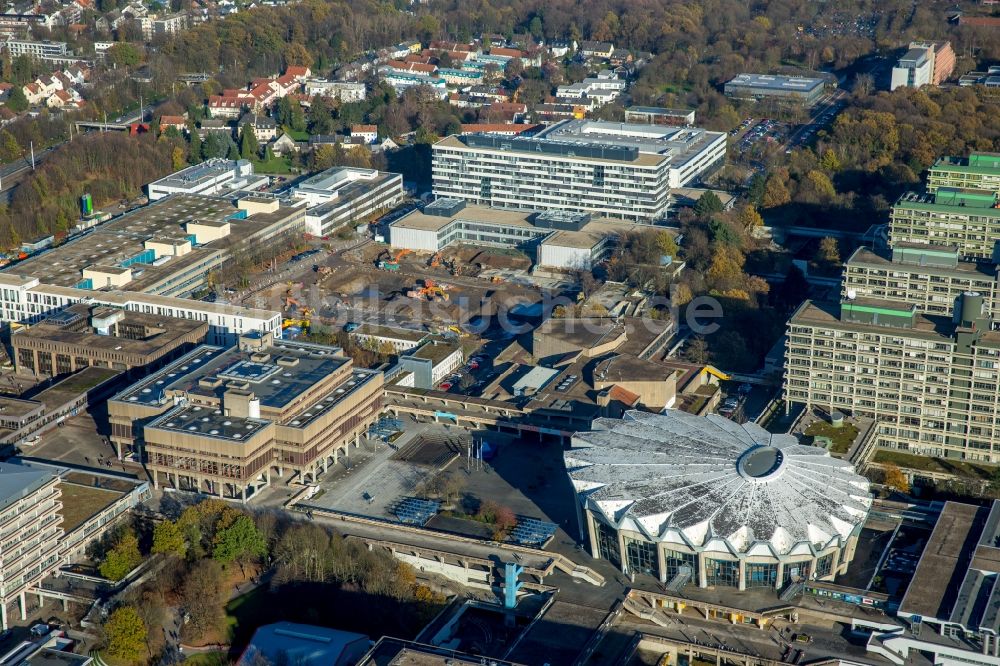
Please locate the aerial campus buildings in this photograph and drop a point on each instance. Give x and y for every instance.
(704, 500)
(222, 421)
(616, 170)
(912, 343)
(802, 90)
(924, 63)
(166, 248)
(560, 239)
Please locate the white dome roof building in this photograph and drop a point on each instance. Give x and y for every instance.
(703, 499)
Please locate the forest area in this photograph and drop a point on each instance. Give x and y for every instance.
(227, 571)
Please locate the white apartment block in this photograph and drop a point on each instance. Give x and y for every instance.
(163, 26)
(37, 49)
(344, 91)
(30, 532)
(615, 170)
(342, 195)
(25, 300)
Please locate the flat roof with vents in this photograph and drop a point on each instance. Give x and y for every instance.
(118, 242)
(208, 422)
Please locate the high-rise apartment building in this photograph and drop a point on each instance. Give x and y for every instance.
(929, 277)
(931, 384)
(912, 342)
(979, 171)
(967, 219)
(617, 170)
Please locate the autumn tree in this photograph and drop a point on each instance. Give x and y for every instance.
(828, 252)
(726, 271)
(168, 539)
(895, 478)
(667, 244)
(775, 192)
(125, 634)
(750, 218)
(122, 558)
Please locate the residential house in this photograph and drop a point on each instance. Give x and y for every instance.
(620, 57)
(210, 125)
(220, 106)
(285, 145)
(369, 133)
(61, 99)
(508, 111)
(178, 123)
(591, 49)
(559, 49)
(264, 127)
(34, 93)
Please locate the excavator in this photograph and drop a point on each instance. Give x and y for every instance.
(434, 261)
(393, 263)
(430, 291)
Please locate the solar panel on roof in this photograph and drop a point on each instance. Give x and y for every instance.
(532, 532)
(415, 511)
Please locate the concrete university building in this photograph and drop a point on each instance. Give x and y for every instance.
(703, 500)
(617, 170)
(222, 421)
(931, 382)
(801, 90)
(166, 248)
(912, 343)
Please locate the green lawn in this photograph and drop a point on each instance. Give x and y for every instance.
(207, 659)
(929, 464)
(245, 608)
(276, 165)
(842, 437)
(298, 136)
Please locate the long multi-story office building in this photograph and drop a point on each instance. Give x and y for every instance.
(930, 382)
(25, 300)
(929, 277)
(790, 89)
(222, 421)
(616, 170)
(967, 219)
(980, 171)
(165, 248)
(30, 532)
(343, 195)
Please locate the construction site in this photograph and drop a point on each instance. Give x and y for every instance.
(371, 282)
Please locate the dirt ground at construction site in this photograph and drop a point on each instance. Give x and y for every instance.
(368, 283)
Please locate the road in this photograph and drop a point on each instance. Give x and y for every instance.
(820, 116)
(12, 174)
